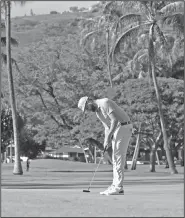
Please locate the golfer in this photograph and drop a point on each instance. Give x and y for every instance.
(118, 131)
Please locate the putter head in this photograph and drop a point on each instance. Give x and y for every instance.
(86, 191)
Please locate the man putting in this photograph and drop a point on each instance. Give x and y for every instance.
(118, 131)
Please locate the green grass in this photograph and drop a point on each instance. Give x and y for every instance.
(48, 190)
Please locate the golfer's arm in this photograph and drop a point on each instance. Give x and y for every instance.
(114, 123)
(113, 126)
(103, 122)
(106, 129)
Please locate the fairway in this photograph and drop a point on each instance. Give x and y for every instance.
(53, 188)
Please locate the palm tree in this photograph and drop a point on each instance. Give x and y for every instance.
(0, 54)
(153, 152)
(4, 56)
(150, 21)
(4, 43)
(102, 28)
(17, 165)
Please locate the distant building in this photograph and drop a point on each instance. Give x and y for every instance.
(67, 152)
(8, 150)
(48, 150)
(6, 156)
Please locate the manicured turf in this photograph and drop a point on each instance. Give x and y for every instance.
(55, 188)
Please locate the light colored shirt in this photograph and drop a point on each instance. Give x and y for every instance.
(106, 107)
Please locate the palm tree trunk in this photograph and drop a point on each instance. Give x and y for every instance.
(11, 153)
(108, 59)
(136, 151)
(153, 152)
(17, 165)
(95, 154)
(157, 157)
(126, 165)
(152, 58)
(92, 155)
(171, 65)
(5, 156)
(0, 68)
(81, 145)
(152, 160)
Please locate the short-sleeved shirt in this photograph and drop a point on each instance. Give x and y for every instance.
(106, 107)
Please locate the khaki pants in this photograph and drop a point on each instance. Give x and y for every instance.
(120, 144)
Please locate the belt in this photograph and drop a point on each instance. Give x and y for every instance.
(125, 123)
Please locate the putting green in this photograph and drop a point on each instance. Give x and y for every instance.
(54, 188)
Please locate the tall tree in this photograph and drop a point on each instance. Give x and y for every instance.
(136, 151)
(17, 165)
(0, 63)
(102, 29)
(148, 19)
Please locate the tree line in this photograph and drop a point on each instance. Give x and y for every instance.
(134, 47)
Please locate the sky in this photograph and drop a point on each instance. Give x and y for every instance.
(44, 7)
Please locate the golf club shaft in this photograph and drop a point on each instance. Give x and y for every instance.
(97, 167)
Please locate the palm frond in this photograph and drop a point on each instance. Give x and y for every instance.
(139, 54)
(116, 12)
(101, 22)
(173, 7)
(178, 65)
(143, 57)
(129, 19)
(128, 6)
(107, 7)
(128, 35)
(4, 59)
(87, 36)
(2, 25)
(151, 45)
(143, 39)
(2, 7)
(85, 39)
(160, 34)
(87, 23)
(117, 77)
(12, 41)
(178, 47)
(176, 20)
(3, 41)
(144, 8)
(140, 57)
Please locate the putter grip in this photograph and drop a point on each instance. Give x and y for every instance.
(105, 149)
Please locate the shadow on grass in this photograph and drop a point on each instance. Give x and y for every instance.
(95, 184)
(78, 171)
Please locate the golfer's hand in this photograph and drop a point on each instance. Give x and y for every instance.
(108, 142)
(106, 147)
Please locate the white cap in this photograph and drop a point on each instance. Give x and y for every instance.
(82, 103)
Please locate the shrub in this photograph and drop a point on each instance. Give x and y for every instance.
(73, 158)
(54, 12)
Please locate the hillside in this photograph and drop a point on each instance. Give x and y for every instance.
(30, 29)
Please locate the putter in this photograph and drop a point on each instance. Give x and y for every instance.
(87, 190)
